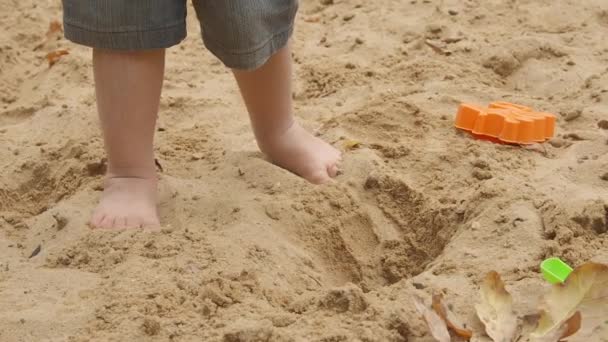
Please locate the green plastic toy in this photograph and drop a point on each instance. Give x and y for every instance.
(555, 271)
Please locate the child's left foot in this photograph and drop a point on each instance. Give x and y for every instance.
(303, 154)
(127, 203)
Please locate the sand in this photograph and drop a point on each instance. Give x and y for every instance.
(250, 252)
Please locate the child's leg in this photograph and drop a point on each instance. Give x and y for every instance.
(128, 38)
(128, 87)
(254, 35)
(267, 94)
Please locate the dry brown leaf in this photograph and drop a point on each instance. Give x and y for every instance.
(572, 325)
(584, 293)
(448, 316)
(55, 30)
(496, 309)
(54, 56)
(529, 322)
(584, 336)
(437, 326)
(568, 328)
(54, 27)
(351, 144)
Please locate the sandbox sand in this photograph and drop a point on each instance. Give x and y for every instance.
(250, 252)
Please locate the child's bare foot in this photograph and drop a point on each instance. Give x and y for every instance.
(302, 153)
(127, 203)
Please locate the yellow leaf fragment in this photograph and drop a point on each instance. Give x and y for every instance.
(572, 325)
(351, 144)
(55, 30)
(434, 322)
(54, 56)
(448, 316)
(55, 27)
(580, 303)
(568, 328)
(496, 309)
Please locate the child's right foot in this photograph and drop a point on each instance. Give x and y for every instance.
(127, 203)
(302, 153)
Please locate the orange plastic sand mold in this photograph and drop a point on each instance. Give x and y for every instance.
(507, 122)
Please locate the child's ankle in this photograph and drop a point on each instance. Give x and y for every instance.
(268, 139)
(132, 172)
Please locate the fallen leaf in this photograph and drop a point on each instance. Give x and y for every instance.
(54, 27)
(450, 319)
(572, 325)
(351, 144)
(54, 56)
(437, 326)
(584, 293)
(568, 328)
(36, 251)
(584, 336)
(529, 322)
(496, 309)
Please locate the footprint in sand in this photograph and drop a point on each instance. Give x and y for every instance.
(16, 115)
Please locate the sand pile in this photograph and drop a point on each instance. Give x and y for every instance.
(250, 252)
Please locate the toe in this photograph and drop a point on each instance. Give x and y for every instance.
(318, 177)
(332, 170)
(107, 222)
(96, 220)
(121, 223)
(134, 222)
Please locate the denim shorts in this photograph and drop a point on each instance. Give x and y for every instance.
(243, 34)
